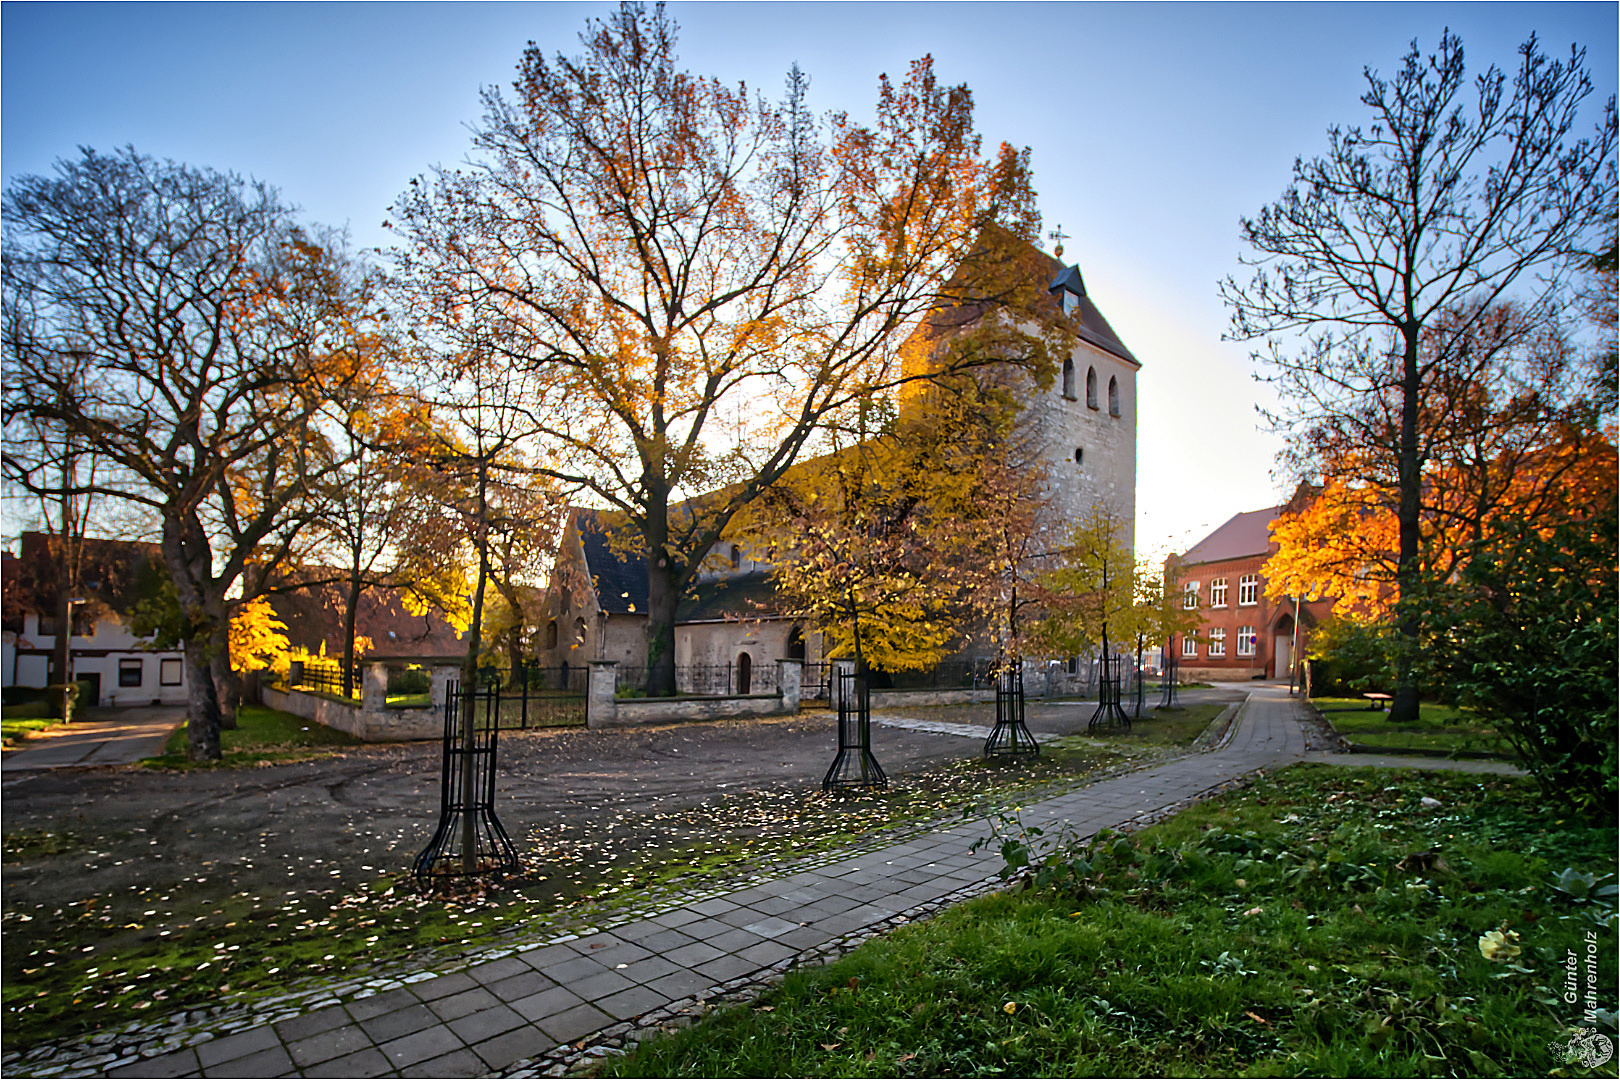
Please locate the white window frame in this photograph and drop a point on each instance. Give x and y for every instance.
(1217, 592)
(1246, 640)
(1189, 596)
(1248, 590)
(1189, 647)
(1217, 641)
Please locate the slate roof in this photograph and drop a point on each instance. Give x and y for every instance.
(621, 583)
(1245, 535)
(745, 596)
(1093, 327)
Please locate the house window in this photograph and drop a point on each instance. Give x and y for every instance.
(1113, 396)
(1068, 379)
(83, 624)
(1217, 592)
(129, 671)
(1071, 302)
(1217, 641)
(1189, 595)
(1248, 590)
(1245, 641)
(1189, 646)
(46, 625)
(1091, 387)
(169, 672)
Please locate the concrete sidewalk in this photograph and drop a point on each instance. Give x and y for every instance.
(502, 1013)
(101, 737)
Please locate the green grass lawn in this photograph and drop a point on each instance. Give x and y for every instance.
(1438, 727)
(261, 735)
(1322, 922)
(20, 721)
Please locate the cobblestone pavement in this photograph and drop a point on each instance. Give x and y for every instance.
(535, 1009)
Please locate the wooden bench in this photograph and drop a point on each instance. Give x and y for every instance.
(1375, 702)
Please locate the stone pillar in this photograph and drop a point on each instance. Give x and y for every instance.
(439, 690)
(374, 688)
(840, 668)
(601, 701)
(790, 683)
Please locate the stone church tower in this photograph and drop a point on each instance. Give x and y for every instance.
(1083, 428)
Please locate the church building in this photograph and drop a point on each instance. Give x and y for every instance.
(1082, 429)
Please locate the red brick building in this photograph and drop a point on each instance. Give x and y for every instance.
(1245, 635)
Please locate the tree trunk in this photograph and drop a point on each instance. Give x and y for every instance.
(202, 707)
(227, 684)
(663, 596)
(1403, 708)
(351, 608)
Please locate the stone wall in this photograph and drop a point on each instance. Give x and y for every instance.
(371, 720)
(603, 708)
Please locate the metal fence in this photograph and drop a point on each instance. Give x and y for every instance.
(709, 680)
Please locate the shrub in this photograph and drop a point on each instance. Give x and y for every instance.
(1351, 656)
(1528, 637)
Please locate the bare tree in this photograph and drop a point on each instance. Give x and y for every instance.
(183, 329)
(697, 277)
(1446, 204)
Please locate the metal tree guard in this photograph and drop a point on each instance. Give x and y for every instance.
(1167, 692)
(854, 767)
(1011, 738)
(469, 840)
(1109, 712)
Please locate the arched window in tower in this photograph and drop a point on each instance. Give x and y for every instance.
(579, 633)
(1068, 379)
(1113, 395)
(551, 634)
(1091, 387)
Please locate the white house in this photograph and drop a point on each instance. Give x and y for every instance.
(120, 668)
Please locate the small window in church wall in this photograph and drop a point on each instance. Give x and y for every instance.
(1068, 379)
(1091, 387)
(736, 556)
(1113, 396)
(1079, 455)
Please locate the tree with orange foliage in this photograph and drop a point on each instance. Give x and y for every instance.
(698, 277)
(1405, 239)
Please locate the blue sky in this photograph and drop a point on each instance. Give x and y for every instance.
(1153, 127)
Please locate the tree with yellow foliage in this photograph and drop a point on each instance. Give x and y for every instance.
(698, 279)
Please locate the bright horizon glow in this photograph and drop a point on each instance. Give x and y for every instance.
(1153, 129)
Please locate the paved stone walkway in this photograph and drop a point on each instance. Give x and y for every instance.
(499, 1014)
(103, 736)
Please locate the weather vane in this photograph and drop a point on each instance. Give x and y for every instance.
(1059, 235)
